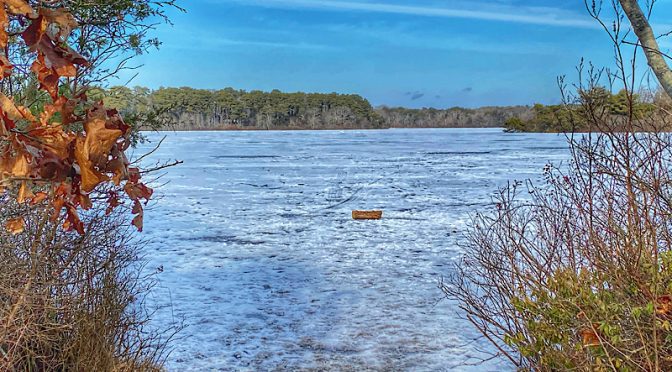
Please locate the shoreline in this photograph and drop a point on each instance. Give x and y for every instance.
(294, 129)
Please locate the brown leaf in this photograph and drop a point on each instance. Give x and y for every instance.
(138, 191)
(25, 193)
(4, 23)
(589, 337)
(5, 67)
(52, 139)
(55, 59)
(93, 149)
(138, 222)
(14, 166)
(39, 198)
(47, 77)
(34, 32)
(119, 168)
(72, 221)
(664, 305)
(113, 202)
(58, 205)
(65, 21)
(16, 225)
(14, 112)
(137, 207)
(19, 7)
(53, 168)
(99, 139)
(90, 176)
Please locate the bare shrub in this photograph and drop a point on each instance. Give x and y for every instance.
(71, 302)
(575, 273)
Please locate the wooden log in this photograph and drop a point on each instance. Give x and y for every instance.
(367, 215)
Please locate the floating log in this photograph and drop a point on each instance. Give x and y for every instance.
(367, 215)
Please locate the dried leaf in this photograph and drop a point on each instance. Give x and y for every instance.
(138, 222)
(14, 112)
(47, 77)
(74, 164)
(589, 338)
(14, 166)
(137, 207)
(19, 7)
(65, 21)
(39, 198)
(34, 32)
(664, 306)
(4, 23)
(90, 176)
(99, 139)
(25, 193)
(16, 225)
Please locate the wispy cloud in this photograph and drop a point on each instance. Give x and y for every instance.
(527, 15)
(200, 41)
(405, 35)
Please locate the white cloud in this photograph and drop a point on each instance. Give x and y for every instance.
(200, 41)
(527, 15)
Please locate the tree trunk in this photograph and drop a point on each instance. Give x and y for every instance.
(640, 24)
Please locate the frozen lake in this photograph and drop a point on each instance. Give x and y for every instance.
(263, 262)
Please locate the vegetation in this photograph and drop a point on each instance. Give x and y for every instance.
(188, 108)
(195, 109)
(71, 302)
(71, 285)
(567, 118)
(575, 273)
(456, 117)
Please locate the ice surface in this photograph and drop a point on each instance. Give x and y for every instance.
(263, 261)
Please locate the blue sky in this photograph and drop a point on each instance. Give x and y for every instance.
(419, 53)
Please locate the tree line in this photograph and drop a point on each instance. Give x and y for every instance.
(199, 109)
(573, 117)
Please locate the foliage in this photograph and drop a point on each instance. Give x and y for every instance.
(566, 118)
(69, 301)
(188, 108)
(574, 273)
(456, 117)
(65, 148)
(75, 303)
(109, 35)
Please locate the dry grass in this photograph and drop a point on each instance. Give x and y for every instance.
(74, 303)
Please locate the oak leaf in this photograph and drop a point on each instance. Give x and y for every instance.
(14, 112)
(39, 198)
(4, 23)
(65, 21)
(25, 193)
(99, 139)
(589, 337)
(19, 7)
(16, 225)
(664, 305)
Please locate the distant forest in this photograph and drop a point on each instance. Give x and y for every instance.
(600, 102)
(198, 109)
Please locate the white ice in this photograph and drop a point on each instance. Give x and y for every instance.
(263, 262)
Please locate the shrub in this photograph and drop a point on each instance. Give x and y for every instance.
(71, 302)
(576, 273)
